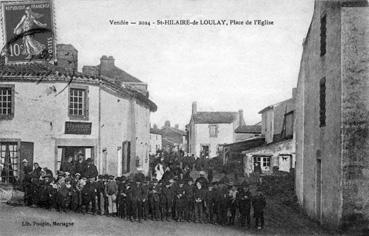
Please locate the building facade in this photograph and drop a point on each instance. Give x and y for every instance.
(174, 139)
(245, 132)
(156, 140)
(332, 110)
(48, 114)
(278, 149)
(209, 130)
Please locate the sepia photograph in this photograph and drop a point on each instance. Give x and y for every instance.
(184, 117)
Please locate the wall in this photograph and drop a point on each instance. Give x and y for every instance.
(299, 129)
(40, 118)
(114, 131)
(225, 135)
(244, 136)
(142, 136)
(314, 142)
(192, 139)
(273, 150)
(155, 143)
(355, 115)
(268, 125)
(279, 111)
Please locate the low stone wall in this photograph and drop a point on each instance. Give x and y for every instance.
(6, 193)
(11, 195)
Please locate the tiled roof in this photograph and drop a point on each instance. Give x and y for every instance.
(113, 73)
(155, 131)
(275, 105)
(30, 72)
(214, 117)
(254, 129)
(120, 75)
(165, 129)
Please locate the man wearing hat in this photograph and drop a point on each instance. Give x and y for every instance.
(145, 199)
(222, 193)
(180, 195)
(259, 204)
(111, 191)
(90, 170)
(210, 200)
(202, 179)
(244, 204)
(45, 186)
(89, 196)
(189, 207)
(26, 182)
(122, 192)
(155, 200)
(100, 193)
(80, 165)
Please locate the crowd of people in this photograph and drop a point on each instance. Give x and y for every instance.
(173, 196)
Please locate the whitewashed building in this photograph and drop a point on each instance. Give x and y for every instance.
(156, 140)
(209, 130)
(48, 114)
(278, 149)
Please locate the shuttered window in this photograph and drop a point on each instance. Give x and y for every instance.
(322, 105)
(323, 35)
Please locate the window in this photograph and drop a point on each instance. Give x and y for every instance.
(9, 162)
(78, 104)
(323, 35)
(263, 161)
(322, 95)
(6, 101)
(288, 125)
(266, 162)
(213, 131)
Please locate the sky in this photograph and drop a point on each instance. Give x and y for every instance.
(223, 68)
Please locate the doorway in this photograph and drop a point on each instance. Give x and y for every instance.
(319, 188)
(64, 152)
(126, 156)
(204, 152)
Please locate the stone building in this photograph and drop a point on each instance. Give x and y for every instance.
(156, 140)
(48, 113)
(174, 139)
(209, 130)
(114, 74)
(332, 115)
(245, 132)
(278, 149)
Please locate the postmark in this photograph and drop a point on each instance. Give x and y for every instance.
(28, 29)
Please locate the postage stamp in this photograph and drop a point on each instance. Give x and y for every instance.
(28, 29)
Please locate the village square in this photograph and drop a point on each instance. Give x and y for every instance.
(93, 149)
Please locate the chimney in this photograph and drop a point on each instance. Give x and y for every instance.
(176, 126)
(194, 108)
(240, 118)
(106, 63)
(67, 57)
(155, 126)
(167, 123)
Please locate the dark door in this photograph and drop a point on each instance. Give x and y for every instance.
(127, 156)
(204, 151)
(318, 188)
(26, 152)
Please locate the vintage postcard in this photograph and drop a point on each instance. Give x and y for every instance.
(184, 117)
